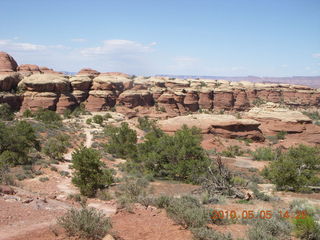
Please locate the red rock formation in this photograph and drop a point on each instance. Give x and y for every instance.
(88, 72)
(7, 63)
(226, 126)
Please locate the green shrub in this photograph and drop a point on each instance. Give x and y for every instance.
(232, 151)
(273, 139)
(295, 170)
(89, 121)
(64, 173)
(313, 115)
(48, 117)
(269, 229)
(57, 146)
(28, 113)
(145, 124)
(103, 195)
(6, 114)
(16, 142)
(133, 188)
(88, 223)
(79, 110)
(307, 228)
(264, 154)
(121, 141)
(205, 233)
(90, 173)
(43, 179)
(107, 116)
(188, 212)
(98, 119)
(258, 102)
(67, 113)
(178, 157)
(281, 135)
(162, 201)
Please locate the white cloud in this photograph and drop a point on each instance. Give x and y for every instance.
(119, 47)
(11, 45)
(78, 40)
(316, 55)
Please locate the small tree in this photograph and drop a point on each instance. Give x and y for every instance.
(6, 113)
(90, 174)
(48, 117)
(16, 142)
(122, 140)
(295, 169)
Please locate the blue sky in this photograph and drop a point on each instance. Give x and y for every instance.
(198, 37)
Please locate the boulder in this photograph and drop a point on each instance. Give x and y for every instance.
(7, 63)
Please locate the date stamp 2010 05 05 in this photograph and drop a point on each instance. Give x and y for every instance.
(260, 214)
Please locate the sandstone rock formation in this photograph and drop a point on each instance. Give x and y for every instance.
(88, 72)
(47, 91)
(28, 69)
(7, 63)
(101, 91)
(226, 126)
(275, 119)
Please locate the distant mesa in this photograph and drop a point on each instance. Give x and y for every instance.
(7, 63)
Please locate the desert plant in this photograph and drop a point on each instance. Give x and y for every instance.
(188, 212)
(89, 223)
(264, 153)
(281, 135)
(98, 119)
(122, 140)
(205, 233)
(6, 112)
(57, 146)
(90, 173)
(232, 151)
(296, 169)
(307, 228)
(269, 229)
(146, 124)
(27, 113)
(16, 142)
(43, 179)
(48, 117)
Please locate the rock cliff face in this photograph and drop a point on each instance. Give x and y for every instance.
(29, 86)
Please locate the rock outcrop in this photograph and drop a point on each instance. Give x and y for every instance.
(226, 126)
(7, 63)
(88, 72)
(47, 91)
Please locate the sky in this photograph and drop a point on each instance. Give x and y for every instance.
(181, 37)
